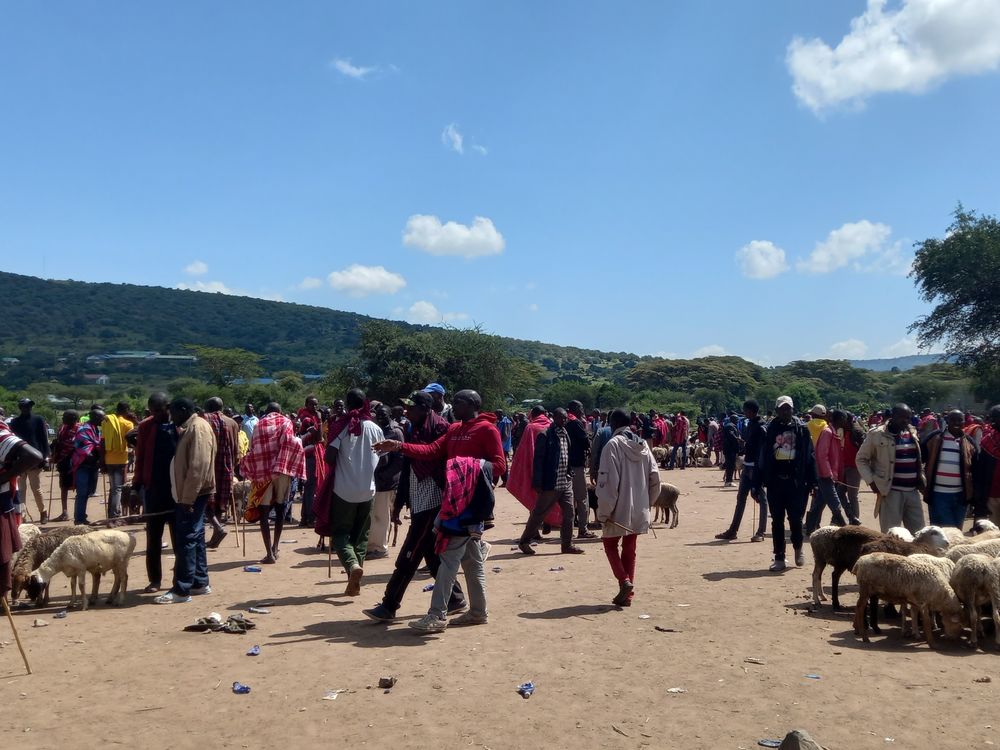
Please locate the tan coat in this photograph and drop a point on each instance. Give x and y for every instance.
(627, 484)
(192, 472)
(877, 459)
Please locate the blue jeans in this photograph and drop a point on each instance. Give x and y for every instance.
(86, 486)
(947, 509)
(191, 563)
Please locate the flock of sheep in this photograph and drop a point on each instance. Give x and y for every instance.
(73, 551)
(939, 572)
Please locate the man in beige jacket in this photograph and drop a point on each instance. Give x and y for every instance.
(889, 461)
(192, 476)
(627, 484)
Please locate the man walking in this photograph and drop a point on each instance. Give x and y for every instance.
(114, 428)
(275, 457)
(420, 488)
(951, 457)
(788, 472)
(552, 480)
(754, 436)
(226, 433)
(579, 447)
(156, 443)
(850, 480)
(889, 461)
(828, 470)
(628, 482)
(387, 472)
(32, 429)
(351, 456)
(193, 475)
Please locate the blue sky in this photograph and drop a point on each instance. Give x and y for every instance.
(652, 177)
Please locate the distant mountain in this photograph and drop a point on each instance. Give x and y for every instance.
(901, 363)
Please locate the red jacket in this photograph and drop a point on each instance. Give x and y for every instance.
(145, 444)
(477, 438)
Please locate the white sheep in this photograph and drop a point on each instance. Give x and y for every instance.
(821, 542)
(901, 532)
(903, 580)
(976, 580)
(989, 547)
(97, 552)
(983, 525)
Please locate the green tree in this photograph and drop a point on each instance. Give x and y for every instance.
(920, 390)
(225, 366)
(959, 273)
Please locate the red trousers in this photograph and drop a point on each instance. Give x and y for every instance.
(623, 560)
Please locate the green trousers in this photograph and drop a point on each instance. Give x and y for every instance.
(349, 525)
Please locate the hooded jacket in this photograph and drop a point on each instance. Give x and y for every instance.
(476, 438)
(627, 484)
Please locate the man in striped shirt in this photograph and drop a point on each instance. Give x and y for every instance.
(889, 461)
(950, 456)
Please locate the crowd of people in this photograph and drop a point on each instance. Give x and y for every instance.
(356, 465)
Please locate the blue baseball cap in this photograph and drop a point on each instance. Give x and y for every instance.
(435, 388)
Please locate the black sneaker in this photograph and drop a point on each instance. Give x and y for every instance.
(380, 613)
(586, 535)
(726, 535)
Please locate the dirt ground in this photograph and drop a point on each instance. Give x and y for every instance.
(130, 676)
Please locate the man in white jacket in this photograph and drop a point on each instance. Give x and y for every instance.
(628, 482)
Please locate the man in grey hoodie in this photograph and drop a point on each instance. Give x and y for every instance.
(628, 482)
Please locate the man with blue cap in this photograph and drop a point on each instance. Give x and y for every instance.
(442, 409)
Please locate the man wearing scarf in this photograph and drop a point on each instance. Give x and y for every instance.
(226, 439)
(62, 456)
(311, 434)
(420, 488)
(86, 463)
(16, 457)
(522, 467)
(987, 470)
(275, 457)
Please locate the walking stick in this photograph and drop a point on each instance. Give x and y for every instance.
(329, 560)
(107, 499)
(10, 619)
(52, 479)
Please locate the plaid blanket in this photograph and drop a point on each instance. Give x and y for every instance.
(274, 449)
(225, 431)
(85, 442)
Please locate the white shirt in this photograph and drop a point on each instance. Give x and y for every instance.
(354, 480)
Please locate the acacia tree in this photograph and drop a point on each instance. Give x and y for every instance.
(225, 366)
(959, 273)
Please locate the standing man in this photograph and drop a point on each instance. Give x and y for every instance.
(250, 420)
(552, 480)
(387, 472)
(788, 471)
(444, 410)
(16, 456)
(889, 461)
(754, 437)
(156, 443)
(987, 474)
(226, 433)
(32, 429)
(682, 426)
(628, 482)
(828, 469)
(730, 448)
(193, 475)
(62, 457)
(351, 456)
(420, 488)
(311, 433)
(114, 428)
(275, 457)
(579, 447)
(506, 428)
(86, 462)
(951, 457)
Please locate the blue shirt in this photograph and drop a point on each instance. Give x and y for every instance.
(506, 432)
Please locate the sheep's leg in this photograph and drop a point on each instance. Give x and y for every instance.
(837, 572)
(96, 576)
(873, 614)
(972, 612)
(925, 615)
(818, 567)
(860, 626)
(114, 588)
(677, 518)
(83, 590)
(72, 590)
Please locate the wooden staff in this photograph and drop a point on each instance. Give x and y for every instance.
(10, 619)
(52, 479)
(329, 560)
(623, 526)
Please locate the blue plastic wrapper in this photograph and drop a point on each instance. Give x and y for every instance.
(59, 615)
(255, 651)
(429, 587)
(240, 689)
(251, 569)
(526, 689)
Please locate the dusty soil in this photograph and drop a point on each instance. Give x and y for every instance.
(130, 676)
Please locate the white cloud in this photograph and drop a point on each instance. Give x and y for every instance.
(310, 282)
(761, 259)
(666, 355)
(212, 286)
(360, 281)
(712, 350)
(426, 313)
(196, 268)
(358, 72)
(482, 150)
(910, 46)
(533, 307)
(452, 137)
(848, 244)
(902, 348)
(451, 238)
(849, 349)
